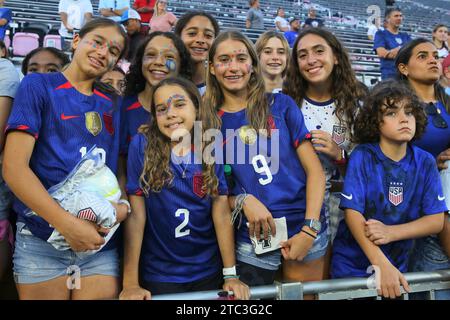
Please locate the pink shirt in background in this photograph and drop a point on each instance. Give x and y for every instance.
(163, 23)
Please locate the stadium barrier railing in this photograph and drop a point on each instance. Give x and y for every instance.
(336, 289)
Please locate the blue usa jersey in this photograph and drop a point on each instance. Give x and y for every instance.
(179, 243)
(66, 124)
(274, 175)
(134, 115)
(391, 192)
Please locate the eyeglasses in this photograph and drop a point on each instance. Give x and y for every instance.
(435, 113)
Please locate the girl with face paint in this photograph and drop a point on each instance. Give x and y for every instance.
(198, 30)
(180, 201)
(160, 55)
(56, 119)
(266, 128)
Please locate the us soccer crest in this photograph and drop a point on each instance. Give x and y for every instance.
(338, 135)
(396, 193)
(197, 184)
(247, 134)
(93, 122)
(87, 214)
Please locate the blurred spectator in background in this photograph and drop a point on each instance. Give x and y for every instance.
(313, 20)
(388, 42)
(74, 14)
(44, 60)
(292, 34)
(145, 9)
(281, 23)
(116, 79)
(162, 20)
(445, 80)
(440, 40)
(113, 9)
(3, 50)
(135, 31)
(5, 18)
(373, 28)
(255, 17)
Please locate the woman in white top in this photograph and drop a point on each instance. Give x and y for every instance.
(440, 40)
(281, 23)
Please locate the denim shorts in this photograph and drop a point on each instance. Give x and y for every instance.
(428, 255)
(36, 261)
(272, 260)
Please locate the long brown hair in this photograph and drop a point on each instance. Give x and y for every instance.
(156, 173)
(346, 90)
(257, 102)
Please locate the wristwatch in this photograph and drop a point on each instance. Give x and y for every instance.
(315, 225)
(125, 202)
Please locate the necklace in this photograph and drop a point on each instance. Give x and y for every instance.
(183, 174)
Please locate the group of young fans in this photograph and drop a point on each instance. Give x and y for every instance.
(297, 130)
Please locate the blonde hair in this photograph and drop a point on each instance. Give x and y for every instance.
(265, 37)
(257, 102)
(155, 8)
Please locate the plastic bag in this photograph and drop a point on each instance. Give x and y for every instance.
(86, 193)
(445, 179)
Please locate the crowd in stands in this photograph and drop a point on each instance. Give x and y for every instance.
(309, 175)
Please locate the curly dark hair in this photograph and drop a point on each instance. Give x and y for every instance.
(386, 94)
(345, 88)
(156, 173)
(135, 79)
(185, 18)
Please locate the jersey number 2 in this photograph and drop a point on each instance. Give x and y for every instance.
(178, 232)
(260, 165)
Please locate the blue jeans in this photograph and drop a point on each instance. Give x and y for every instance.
(428, 255)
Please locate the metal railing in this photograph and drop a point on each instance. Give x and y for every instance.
(336, 289)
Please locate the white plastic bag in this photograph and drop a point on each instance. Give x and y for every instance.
(86, 193)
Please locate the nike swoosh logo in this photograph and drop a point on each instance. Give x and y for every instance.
(441, 198)
(64, 117)
(350, 197)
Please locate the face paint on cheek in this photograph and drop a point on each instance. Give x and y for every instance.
(171, 65)
(249, 68)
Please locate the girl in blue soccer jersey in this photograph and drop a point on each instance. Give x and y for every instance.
(418, 67)
(56, 119)
(160, 55)
(279, 182)
(321, 80)
(180, 224)
(392, 191)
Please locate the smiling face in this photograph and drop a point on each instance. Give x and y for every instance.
(44, 62)
(98, 51)
(398, 124)
(315, 59)
(273, 57)
(232, 66)
(198, 36)
(175, 111)
(423, 66)
(160, 60)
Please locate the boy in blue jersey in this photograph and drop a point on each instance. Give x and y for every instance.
(179, 235)
(55, 120)
(392, 191)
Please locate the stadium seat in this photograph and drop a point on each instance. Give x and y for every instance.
(23, 43)
(7, 41)
(41, 29)
(52, 40)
